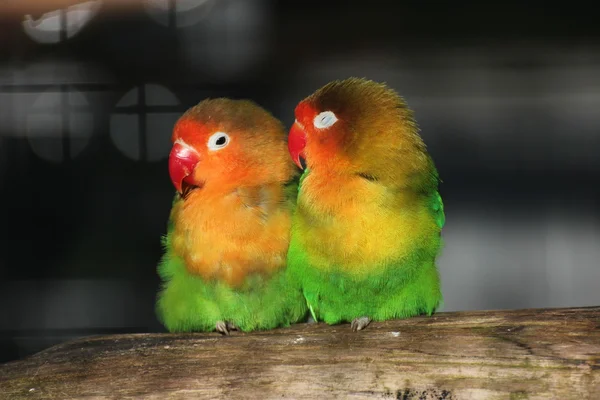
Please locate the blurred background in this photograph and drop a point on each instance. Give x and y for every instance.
(507, 97)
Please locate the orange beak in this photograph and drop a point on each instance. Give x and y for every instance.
(182, 162)
(296, 144)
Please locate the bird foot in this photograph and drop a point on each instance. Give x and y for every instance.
(225, 327)
(360, 323)
(311, 320)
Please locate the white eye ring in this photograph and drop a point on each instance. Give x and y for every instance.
(324, 120)
(217, 141)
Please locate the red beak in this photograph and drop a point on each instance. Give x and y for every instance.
(182, 162)
(296, 144)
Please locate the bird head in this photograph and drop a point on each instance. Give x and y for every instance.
(221, 144)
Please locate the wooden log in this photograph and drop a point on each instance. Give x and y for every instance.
(520, 354)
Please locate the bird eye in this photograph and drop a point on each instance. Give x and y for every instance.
(217, 141)
(325, 120)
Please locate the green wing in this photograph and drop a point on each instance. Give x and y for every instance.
(302, 177)
(292, 188)
(437, 205)
(438, 209)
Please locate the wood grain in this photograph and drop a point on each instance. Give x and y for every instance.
(519, 354)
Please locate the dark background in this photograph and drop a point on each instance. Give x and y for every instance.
(507, 96)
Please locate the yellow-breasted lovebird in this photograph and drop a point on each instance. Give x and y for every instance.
(224, 265)
(366, 230)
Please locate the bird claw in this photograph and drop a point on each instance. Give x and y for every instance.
(231, 326)
(360, 323)
(225, 327)
(221, 327)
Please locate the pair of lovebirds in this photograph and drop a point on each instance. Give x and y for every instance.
(254, 245)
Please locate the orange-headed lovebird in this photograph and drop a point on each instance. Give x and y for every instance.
(229, 228)
(367, 226)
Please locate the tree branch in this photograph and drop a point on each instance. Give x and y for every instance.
(533, 354)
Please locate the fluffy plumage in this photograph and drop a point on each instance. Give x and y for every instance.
(225, 250)
(367, 227)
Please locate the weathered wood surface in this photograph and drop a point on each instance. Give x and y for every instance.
(523, 354)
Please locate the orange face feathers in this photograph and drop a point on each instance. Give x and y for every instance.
(221, 144)
(359, 127)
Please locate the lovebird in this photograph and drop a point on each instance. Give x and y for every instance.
(224, 264)
(366, 230)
